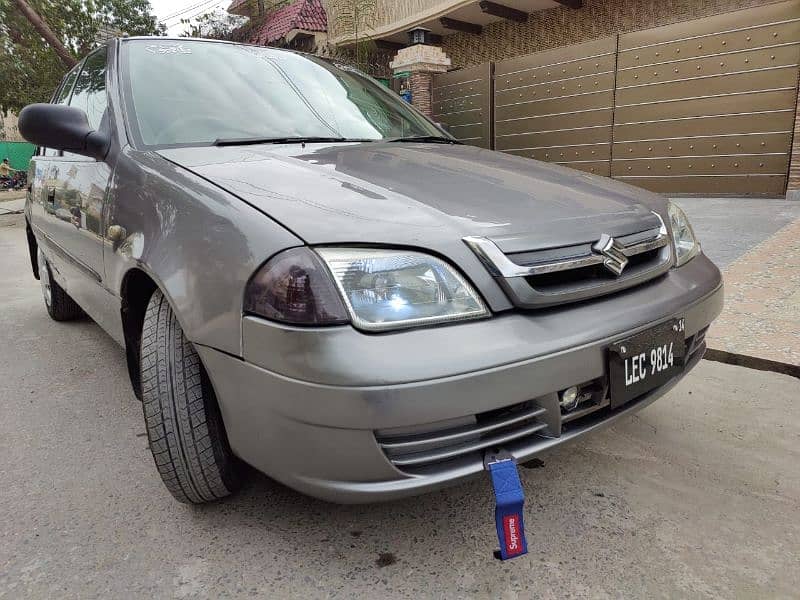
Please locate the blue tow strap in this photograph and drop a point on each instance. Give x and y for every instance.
(509, 501)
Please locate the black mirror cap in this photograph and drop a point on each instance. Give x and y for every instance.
(62, 128)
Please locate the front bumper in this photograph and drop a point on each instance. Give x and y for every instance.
(306, 404)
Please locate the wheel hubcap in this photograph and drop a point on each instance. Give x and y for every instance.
(44, 278)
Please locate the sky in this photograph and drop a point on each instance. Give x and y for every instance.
(172, 11)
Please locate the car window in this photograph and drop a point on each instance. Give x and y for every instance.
(90, 89)
(196, 92)
(62, 97)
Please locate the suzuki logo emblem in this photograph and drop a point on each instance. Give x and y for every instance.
(613, 252)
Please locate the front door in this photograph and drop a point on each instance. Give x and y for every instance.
(73, 195)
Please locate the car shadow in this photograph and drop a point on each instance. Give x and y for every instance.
(409, 529)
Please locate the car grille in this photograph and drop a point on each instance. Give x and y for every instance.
(571, 273)
(450, 441)
(442, 446)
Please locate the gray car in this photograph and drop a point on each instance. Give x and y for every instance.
(310, 277)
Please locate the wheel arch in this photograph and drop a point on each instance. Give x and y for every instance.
(135, 292)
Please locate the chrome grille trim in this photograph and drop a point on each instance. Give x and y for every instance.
(500, 265)
(442, 444)
(439, 455)
(419, 440)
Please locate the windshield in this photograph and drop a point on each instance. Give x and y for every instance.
(196, 92)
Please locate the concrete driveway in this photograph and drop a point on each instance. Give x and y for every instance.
(729, 227)
(697, 496)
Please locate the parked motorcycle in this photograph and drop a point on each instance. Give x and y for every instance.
(16, 182)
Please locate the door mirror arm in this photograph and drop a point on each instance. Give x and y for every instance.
(63, 127)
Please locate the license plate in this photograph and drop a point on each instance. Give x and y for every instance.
(646, 360)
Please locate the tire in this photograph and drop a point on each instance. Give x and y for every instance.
(60, 306)
(181, 414)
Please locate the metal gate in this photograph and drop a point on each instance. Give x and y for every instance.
(558, 105)
(709, 106)
(462, 100)
(699, 107)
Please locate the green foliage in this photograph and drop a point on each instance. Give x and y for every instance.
(31, 70)
(217, 25)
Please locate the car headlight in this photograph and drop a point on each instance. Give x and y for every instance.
(684, 240)
(389, 289)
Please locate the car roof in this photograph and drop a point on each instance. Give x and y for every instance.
(162, 38)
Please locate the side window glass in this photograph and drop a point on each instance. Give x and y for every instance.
(66, 88)
(90, 88)
(62, 97)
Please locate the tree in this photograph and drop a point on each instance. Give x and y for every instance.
(217, 25)
(44, 30)
(31, 67)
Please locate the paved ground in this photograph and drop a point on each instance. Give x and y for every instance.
(762, 301)
(757, 244)
(10, 204)
(698, 496)
(11, 195)
(729, 227)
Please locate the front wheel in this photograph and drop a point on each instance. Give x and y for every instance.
(182, 418)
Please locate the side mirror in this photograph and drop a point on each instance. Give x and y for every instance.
(62, 128)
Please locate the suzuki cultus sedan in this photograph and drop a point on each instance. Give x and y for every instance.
(309, 276)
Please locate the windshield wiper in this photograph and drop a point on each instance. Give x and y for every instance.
(281, 140)
(431, 139)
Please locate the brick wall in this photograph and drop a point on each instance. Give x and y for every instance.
(420, 84)
(564, 26)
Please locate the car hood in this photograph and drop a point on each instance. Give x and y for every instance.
(414, 193)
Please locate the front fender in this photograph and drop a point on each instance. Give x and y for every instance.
(198, 243)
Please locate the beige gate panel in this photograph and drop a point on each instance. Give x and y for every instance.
(566, 88)
(768, 101)
(555, 73)
(460, 119)
(556, 122)
(779, 78)
(769, 143)
(741, 62)
(758, 36)
(727, 185)
(708, 106)
(580, 153)
(592, 57)
(596, 168)
(548, 139)
(774, 122)
(462, 100)
(761, 164)
(548, 102)
(712, 31)
(580, 102)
